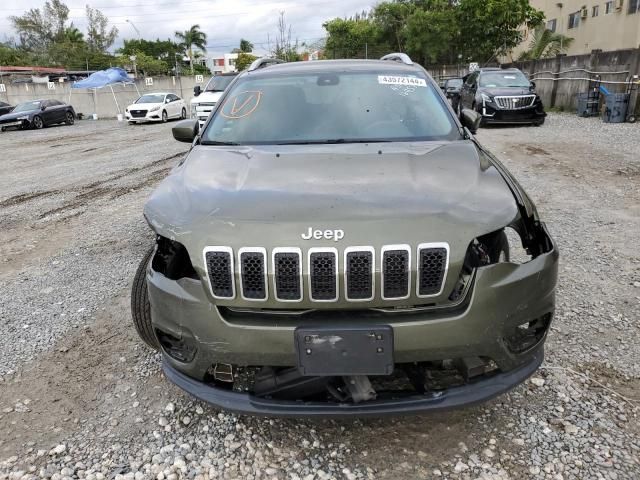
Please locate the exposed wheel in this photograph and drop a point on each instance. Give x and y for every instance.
(140, 306)
(539, 123)
(69, 118)
(3, 129)
(499, 248)
(131, 123)
(631, 119)
(37, 122)
(183, 115)
(165, 117)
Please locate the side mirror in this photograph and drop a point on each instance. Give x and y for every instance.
(43, 108)
(197, 90)
(470, 119)
(532, 86)
(185, 130)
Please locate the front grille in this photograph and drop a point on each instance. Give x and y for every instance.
(396, 267)
(432, 267)
(322, 272)
(203, 110)
(288, 276)
(253, 274)
(219, 262)
(323, 275)
(138, 113)
(359, 268)
(515, 102)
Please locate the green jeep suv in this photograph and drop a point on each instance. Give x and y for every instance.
(336, 242)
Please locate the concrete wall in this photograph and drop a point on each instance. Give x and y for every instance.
(559, 80)
(105, 106)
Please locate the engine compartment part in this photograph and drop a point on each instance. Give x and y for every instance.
(172, 260)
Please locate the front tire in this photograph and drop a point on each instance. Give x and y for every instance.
(37, 122)
(165, 117)
(140, 306)
(499, 248)
(183, 115)
(69, 118)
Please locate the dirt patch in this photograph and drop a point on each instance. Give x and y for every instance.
(533, 150)
(26, 197)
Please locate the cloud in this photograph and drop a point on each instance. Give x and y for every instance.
(224, 22)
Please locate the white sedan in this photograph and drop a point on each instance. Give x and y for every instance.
(156, 107)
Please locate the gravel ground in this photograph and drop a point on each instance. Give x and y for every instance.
(80, 397)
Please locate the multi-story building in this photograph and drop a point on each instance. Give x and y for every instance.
(223, 63)
(593, 24)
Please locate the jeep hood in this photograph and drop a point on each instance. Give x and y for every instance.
(379, 194)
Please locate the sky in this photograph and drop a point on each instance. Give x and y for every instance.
(224, 22)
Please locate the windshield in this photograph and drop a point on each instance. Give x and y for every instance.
(331, 108)
(218, 84)
(153, 98)
(27, 107)
(503, 79)
(456, 82)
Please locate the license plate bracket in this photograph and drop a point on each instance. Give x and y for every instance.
(331, 351)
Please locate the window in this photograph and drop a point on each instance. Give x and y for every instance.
(609, 7)
(551, 25)
(331, 107)
(595, 11)
(634, 6)
(574, 20)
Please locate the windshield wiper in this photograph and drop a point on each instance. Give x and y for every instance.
(332, 141)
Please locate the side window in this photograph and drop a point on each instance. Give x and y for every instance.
(173, 98)
(54, 103)
(45, 104)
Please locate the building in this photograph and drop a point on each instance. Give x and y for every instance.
(222, 63)
(593, 24)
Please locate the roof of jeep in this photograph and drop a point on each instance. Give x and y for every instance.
(335, 66)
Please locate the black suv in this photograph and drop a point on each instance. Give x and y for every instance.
(502, 96)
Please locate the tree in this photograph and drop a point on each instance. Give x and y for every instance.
(99, 36)
(193, 37)
(73, 35)
(284, 48)
(244, 60)
(38, 29)
(545, 44)
(144, 63)
(348, 37)
(492, 27)
(431, 35)
(246, 46)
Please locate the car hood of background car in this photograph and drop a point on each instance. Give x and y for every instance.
(9, 117)
(144, 106)
(386, 192)
(207, 97)
(505, 92)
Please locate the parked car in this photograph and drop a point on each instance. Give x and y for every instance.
(205, 101)
(452, 88)
(38, 114)
(335, 243)
(5, 108)
(502, 96)
(156, 107)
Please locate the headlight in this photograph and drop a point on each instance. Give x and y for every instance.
(193, 110)
(155, 109)
(23, 118)
(485, 97)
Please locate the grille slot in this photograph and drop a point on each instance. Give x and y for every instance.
(219, 262)
(253, 273)
(396, 272)
(323, 278)
(432, 268)
(359, 267)
(287, 275)
(515, 102)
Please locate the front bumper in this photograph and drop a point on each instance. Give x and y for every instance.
(470, 394)
(492, 114)
(149, 117)
(17, 123)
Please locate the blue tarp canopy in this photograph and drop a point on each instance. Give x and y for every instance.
(104, 78)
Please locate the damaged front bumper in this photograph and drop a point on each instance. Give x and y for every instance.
(472, 393)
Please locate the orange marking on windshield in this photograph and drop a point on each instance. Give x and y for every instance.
(242, 105)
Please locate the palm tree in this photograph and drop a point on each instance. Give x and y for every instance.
(246, 46)
(73, 35)
(545, 44)
(194, 37)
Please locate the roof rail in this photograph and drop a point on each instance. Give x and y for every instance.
(398, 57)
(263, 62)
